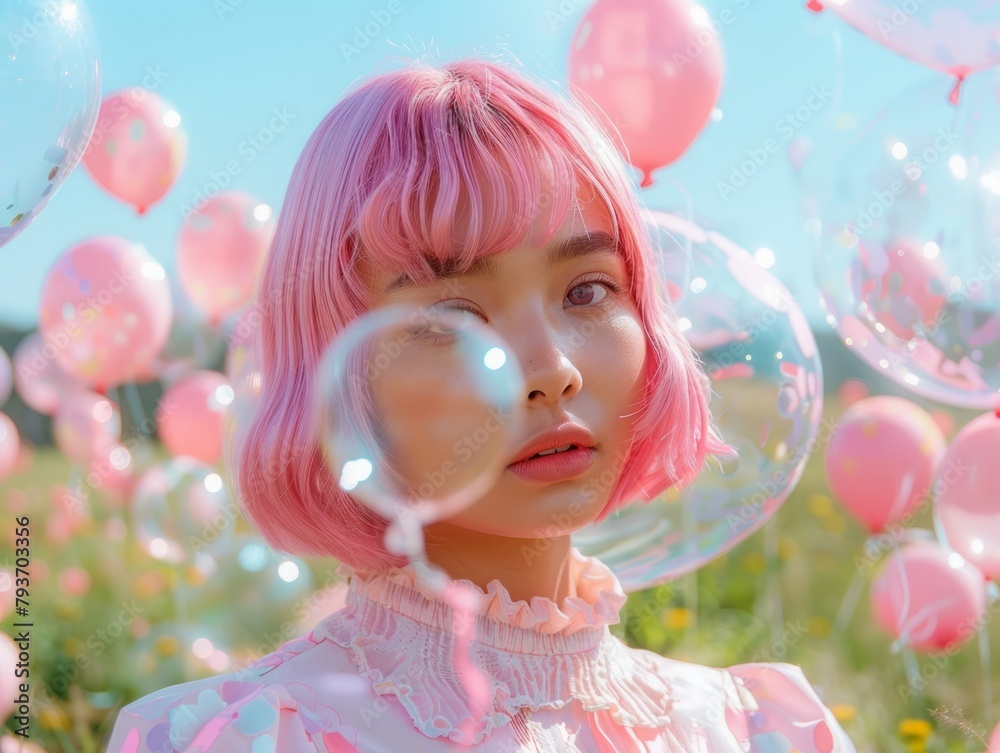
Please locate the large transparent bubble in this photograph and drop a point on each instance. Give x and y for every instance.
(234, 582)
(767, 401)
(908, 258)
(418, 413)
(50, 88)
(180, 509)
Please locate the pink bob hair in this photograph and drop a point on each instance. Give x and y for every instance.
(397, 166)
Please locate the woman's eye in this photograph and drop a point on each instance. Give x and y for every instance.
(588, 293)
(447, 320)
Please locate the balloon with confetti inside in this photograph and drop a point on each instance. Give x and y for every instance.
(180, 509)
(767, 398)
(50, 86)
(220, 249)
(908, 256)
(105, 310)
(138, 149)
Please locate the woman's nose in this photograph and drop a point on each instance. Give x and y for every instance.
(548, 358)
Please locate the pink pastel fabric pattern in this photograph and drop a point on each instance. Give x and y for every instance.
(378, 677)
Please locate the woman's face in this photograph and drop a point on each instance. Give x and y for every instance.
(575, 330)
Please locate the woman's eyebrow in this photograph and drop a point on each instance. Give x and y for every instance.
(596, 243)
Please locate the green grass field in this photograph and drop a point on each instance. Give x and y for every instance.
(775, 597)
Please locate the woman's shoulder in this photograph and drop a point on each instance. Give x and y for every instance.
(288, 700)
(768, 705)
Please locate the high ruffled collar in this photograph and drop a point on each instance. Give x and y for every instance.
(533, 655)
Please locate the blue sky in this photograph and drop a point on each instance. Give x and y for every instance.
(230, 66)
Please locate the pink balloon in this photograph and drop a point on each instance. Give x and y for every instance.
(882, 459)
(106, 310)
(86, 425)
(851, 391)
(967, 503)
(654, 68)
(138, 147)
(928, 597)
(10, 444)
(190, 415)
(901, 287)
(40, 380)
(112, 474)
(957, 37)
(220, 250)
(8, 681)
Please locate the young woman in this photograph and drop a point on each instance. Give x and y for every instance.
(469, 187)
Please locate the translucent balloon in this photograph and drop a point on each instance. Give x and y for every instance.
(242, 575)
(758, 349)
(908, 261)
(86, 426)
(40, 380)
(180, 509)
(50, 87)
(418, 409)
(958, 37)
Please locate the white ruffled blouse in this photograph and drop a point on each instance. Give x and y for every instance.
(382, 675)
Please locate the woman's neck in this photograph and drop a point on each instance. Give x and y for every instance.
(525, 567)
